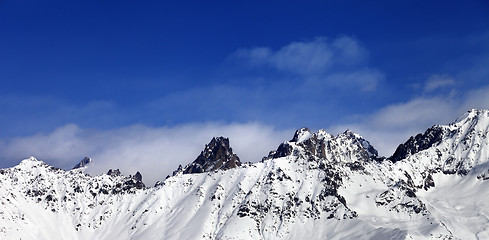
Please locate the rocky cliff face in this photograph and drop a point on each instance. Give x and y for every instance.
(315, 186)
(217, 155)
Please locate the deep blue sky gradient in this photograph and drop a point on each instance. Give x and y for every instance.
(108, 64)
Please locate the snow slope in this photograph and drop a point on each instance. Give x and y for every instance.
(315, 186)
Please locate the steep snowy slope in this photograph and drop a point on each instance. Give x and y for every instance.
(315, 186)
(444, 169)
(451, 162)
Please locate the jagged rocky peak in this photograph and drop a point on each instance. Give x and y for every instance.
(217, 155)
(133, 181)
(116, 172)
(473, 124)
(347, 146)
(83, 163)
(138, 176)
(136, 181)
(418, 143)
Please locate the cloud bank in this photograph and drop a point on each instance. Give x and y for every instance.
(154, 151)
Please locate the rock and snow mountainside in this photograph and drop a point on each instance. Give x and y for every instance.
(315, 186)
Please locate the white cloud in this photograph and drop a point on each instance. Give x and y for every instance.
(349, 51)
(438, 81)
(330, 61)
(154, 151)
(304, 57)
(418, 111)
(307, 57)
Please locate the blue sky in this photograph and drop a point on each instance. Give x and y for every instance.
(255, 70)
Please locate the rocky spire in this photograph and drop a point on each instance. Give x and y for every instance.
(83, 163)
(138, 176)
(217, 155)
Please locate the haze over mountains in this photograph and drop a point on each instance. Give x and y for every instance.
(315, 186)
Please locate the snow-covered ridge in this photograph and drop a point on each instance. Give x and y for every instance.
(315, 186)
(454, 148)
(473, 121)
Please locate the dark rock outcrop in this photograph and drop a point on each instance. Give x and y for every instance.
(217, 155)
(86, 161)
(420, 142)
(138, 177)
(116, 172)
(135, 181)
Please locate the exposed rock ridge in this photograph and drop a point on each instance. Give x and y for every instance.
(346, 146)
(418, 143)
(217, 155)
(135, 181)
(460, 132)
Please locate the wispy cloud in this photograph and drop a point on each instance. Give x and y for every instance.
(155, 151)
(321, 60)
(438, 81)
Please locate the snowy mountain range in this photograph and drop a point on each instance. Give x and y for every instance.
(315, 186)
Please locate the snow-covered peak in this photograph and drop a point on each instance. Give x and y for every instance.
(29, 163)
(301, 135)
(322, 134)
(471, 115)
(30, 159)
(350, 134)
(357, 138)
